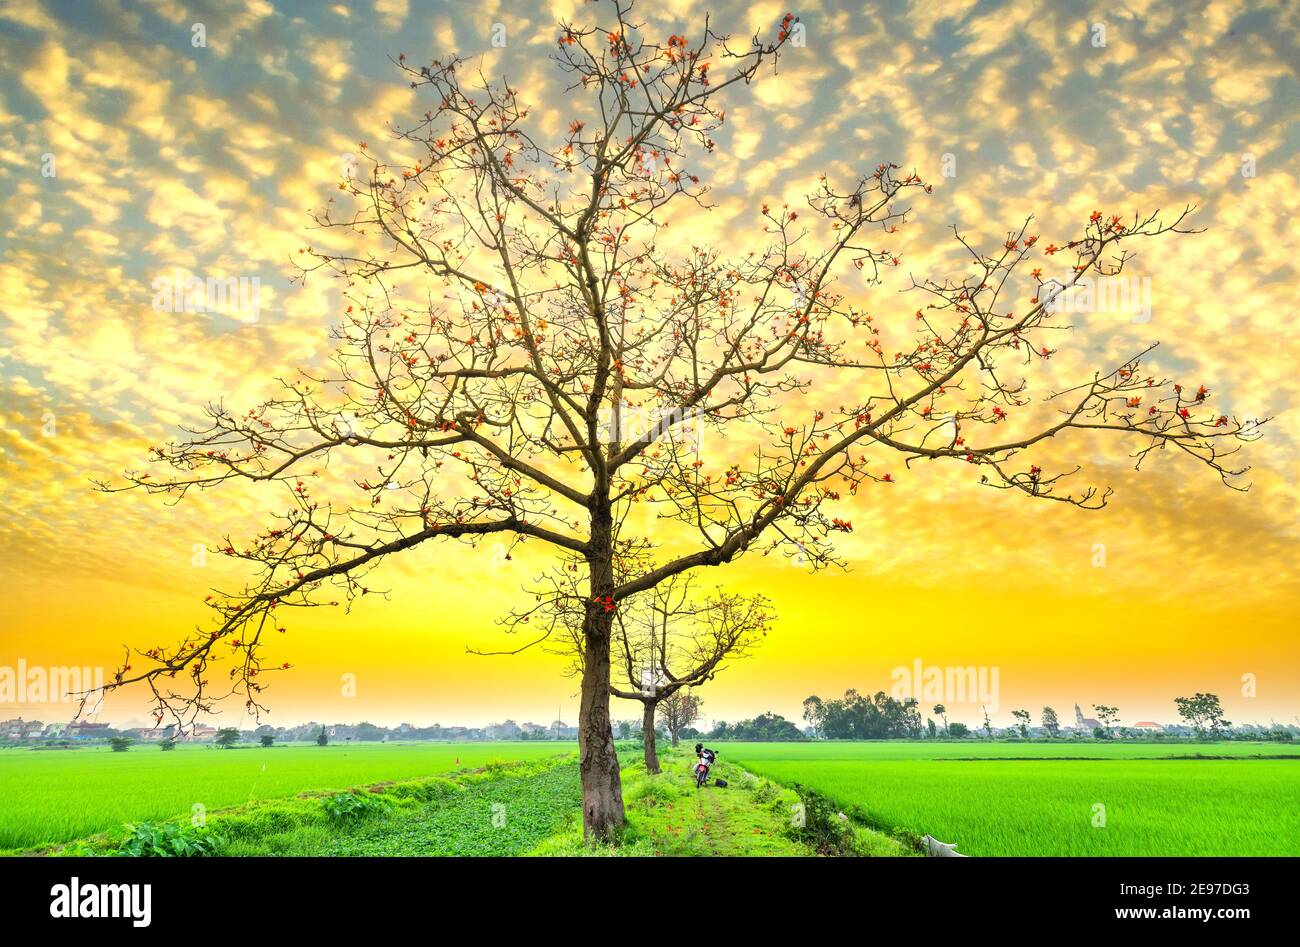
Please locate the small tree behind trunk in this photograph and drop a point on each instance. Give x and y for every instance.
(679, 709)
(648, 735)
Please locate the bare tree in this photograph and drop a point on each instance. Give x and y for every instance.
(524, 352)
(664, 640)
(678, 711)
(672, 643)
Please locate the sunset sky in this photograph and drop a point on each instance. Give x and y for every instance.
(207, 160)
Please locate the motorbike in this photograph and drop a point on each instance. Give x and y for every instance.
(702, 767)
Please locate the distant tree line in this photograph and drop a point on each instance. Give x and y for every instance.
(882, 717)
(858, 717)
(764, 727)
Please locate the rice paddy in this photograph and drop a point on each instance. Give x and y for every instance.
(1056, 799)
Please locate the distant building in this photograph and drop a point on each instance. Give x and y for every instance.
(83, 730)
(502, 731)
(154, 734)
(1085, 725)
(562, 731)
(19, 729)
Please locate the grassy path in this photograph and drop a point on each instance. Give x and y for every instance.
(711, 816)
(751, 817)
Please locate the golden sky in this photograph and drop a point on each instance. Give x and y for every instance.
(206, 160)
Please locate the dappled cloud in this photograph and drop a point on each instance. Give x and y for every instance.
(128, 153)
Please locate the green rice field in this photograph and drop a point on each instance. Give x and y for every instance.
(56, 795)
(1042, 799)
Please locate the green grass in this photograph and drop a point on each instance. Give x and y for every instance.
(506, 809)
(524, 807)
(821, 750)
(524, 798)
(1033, 799)
(56, 795)
(498, 813)
(502, 809)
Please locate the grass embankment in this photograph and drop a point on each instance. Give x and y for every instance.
(752, 816)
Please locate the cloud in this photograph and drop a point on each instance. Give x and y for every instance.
(210, 160)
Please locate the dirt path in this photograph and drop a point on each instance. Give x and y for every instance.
(709, 815)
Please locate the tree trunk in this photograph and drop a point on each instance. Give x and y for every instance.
(673, 734)
(602, 788)
(648, 735)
